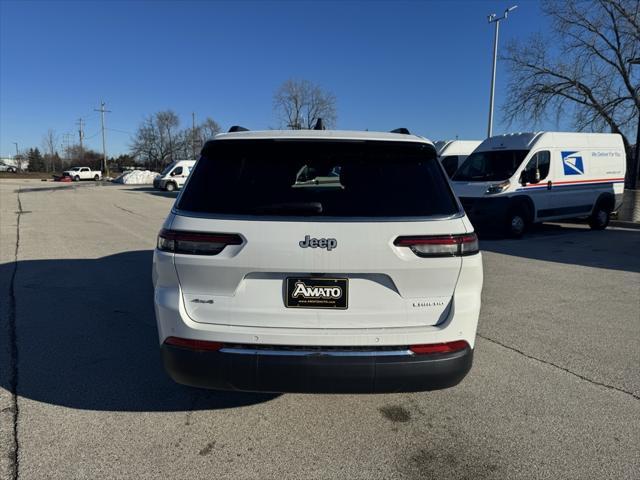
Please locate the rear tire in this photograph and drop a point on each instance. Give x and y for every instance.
(11, 170)
(170, 187)
(599, 219)
(516, 222)
(96, 178)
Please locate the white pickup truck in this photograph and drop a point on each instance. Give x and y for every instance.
(82, 173)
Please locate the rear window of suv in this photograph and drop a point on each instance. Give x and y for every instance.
(311, 178)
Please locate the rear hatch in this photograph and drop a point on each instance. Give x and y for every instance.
(315, 228)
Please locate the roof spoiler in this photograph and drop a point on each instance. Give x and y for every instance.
(401, 130)
(238, 128)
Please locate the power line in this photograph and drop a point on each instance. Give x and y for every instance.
(92, 136)
(120, 131)
(90, 113)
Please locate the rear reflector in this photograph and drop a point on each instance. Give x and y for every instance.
(448, 347)
(440, 245)
(195, 243)
(202, 345)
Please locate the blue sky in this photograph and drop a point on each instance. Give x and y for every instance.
(422, 65)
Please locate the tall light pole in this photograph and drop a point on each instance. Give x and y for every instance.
(17, 160)
(493, 18)
(636, 164)
(193, 134)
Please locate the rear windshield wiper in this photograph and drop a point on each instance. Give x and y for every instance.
(302, 208)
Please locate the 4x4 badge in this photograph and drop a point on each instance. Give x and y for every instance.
(328, 243)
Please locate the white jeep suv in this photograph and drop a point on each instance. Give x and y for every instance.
(317, 261)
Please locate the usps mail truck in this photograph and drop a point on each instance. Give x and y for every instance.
(452, 153)
(511, 181)
(174, 175)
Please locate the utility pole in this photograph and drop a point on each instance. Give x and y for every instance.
(102, 111)
(17, 160)
(193, 134)
(493, 18)
(81, 138)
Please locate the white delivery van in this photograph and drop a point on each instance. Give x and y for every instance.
(174, 175)
(511, 181)
(366, 280)
(452, 153)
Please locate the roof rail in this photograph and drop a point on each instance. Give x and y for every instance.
(402, 130)
(238, 128)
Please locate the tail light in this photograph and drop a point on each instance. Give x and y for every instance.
(448, 347)
(195, 243)
(191, 344)
(440, 245)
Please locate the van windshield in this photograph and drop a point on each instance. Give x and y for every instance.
(167, 169)
(318, 178)
(490, 166)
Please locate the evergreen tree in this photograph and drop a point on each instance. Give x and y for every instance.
(36, 160)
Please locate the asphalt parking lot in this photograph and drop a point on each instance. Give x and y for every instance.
(554, 391)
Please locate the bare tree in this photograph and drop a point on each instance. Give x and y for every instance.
(300, 103)
(145, 146)
(205, 131)
(208, 129)
(193, 139)
(167, 123)
(582, 69)
(49, 143)
(159, 141)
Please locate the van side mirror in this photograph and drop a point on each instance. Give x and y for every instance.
(173, 174)
(530, 176)
(523, 178)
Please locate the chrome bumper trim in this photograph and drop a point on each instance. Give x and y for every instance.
(318, 353)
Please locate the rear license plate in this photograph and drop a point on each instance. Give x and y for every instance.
(317, 293)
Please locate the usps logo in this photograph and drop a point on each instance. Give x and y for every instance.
(572, 163)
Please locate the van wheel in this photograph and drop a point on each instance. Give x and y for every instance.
(96, 178)
(516, 222)
(76, 178)
(170, 187)
(599, 219)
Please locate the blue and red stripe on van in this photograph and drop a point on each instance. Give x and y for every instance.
(572, 183)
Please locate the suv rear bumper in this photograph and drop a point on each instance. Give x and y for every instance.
(315, 373)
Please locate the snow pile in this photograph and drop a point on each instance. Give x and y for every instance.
(136, 177)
